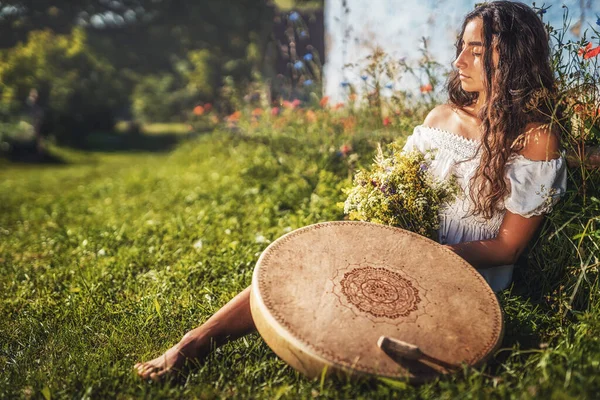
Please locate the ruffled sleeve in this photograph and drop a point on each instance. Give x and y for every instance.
(419, 140)
(535, 186)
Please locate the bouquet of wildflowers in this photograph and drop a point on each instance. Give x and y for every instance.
(399, 191)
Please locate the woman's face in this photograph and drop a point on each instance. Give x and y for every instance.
(469, 62)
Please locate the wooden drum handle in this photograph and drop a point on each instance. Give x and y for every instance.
(398, 348)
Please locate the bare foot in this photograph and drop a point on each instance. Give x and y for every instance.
(191, 347)
(229, 323)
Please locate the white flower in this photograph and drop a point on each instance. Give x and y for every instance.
(198, 244)
(260, 239)
(101, 252)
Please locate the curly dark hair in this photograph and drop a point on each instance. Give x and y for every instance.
(523, 75)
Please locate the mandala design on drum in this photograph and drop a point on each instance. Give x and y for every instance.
(380, 292)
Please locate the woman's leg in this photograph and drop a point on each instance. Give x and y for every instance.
(229, 323)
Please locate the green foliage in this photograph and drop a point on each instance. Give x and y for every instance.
(201, 73)
(128, 49)
(76, 86)
(20, 131)
(172, 96)
(156, 98)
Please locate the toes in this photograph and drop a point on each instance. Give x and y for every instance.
(146, 370)
(140, 368)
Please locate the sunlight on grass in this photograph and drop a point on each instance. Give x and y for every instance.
(156, 128)
(101, 267)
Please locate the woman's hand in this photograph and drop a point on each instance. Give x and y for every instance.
(515, 233)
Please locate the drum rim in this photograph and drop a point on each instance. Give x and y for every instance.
(284, 329)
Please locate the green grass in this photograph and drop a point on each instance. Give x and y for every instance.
(289, 5)
(98, 270)
(156, 128)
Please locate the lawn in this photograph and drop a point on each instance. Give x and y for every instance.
(109, 258)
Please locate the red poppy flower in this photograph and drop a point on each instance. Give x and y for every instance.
(198, 110)
(587, 52)
(387, 121)
(592, 53)
(583, 50)
(207, 107)
(275, 111)
(234, 117)
(345, 149)
(324, 101)
(426, 88)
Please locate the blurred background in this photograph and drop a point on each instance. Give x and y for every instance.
(86, 73)
(70, 70)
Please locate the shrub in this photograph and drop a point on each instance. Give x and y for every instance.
(77, 88)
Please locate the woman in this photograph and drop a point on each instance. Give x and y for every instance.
(491, 135)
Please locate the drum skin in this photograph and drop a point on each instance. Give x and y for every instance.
(322, 296)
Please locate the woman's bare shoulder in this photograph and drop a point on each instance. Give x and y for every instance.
(439, 116)
(540, 142)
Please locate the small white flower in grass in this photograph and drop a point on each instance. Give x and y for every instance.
(287, 229)
(228, 231)
(101, 252)
(84, 243)
(260, 238)
(198, 244)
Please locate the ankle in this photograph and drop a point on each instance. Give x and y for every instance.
(198, 337)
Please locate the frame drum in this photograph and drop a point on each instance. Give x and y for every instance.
(322, 296)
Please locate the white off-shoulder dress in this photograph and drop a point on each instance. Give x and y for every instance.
(535, 186)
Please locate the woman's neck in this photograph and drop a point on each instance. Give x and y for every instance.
(478, 105)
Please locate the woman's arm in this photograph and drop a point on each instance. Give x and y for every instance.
(514, 234)
(540, 144)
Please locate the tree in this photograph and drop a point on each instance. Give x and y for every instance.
(199, 43)
(76, 87)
